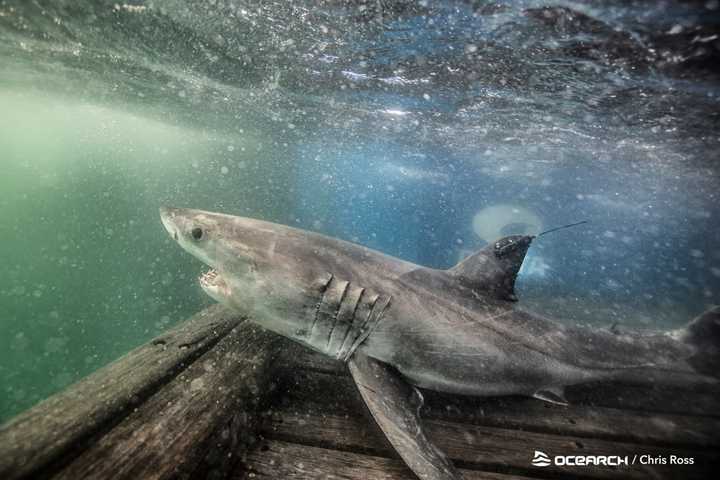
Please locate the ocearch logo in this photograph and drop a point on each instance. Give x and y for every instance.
(540, 459)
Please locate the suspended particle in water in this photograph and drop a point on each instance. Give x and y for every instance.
(197, 384)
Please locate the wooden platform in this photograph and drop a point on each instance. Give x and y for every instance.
(220, 398)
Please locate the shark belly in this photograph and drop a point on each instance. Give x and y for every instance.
(484, 376)
(465, 358)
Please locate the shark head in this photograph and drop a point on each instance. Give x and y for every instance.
(285, 278)
(205, 237)
(243, 255)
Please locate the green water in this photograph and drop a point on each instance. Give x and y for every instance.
(392, 124)
(89, 272)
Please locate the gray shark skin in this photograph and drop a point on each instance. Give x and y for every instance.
(400, 326)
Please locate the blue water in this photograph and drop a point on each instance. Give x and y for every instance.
(392, 124)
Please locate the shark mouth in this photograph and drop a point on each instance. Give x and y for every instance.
(215, 285)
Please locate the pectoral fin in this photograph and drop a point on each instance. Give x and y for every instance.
(395, 406)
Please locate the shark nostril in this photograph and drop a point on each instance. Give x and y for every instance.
(175, 236)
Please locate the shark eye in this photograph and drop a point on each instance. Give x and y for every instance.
(197, 233)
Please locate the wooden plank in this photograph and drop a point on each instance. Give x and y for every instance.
(301, 387)
(187, 428)
(54, 428)
(701, 401)
(484, 448)
(275, 460)
(183, 406)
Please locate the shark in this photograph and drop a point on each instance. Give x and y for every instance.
(402, 328)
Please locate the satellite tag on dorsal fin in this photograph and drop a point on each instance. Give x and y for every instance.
(494, 268)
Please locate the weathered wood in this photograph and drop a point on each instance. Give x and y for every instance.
(171, 434)
(484, 448)
(41, 440)
(488, 436)
(281, 460)
(189, 405)
(301, 387)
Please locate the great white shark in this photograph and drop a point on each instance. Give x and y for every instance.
(400, 326)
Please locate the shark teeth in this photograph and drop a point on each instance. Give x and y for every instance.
(209, 277)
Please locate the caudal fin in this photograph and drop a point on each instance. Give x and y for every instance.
(703, 333)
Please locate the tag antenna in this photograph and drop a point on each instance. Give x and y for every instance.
(560, 228)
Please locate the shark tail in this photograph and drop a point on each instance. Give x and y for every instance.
(703, 334)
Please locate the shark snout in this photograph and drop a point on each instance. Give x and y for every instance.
(167, 216)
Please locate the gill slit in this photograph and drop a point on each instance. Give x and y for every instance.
(337, 312)
(323, 290)
(351, 320)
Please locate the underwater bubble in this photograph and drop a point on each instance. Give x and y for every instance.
(62, 379)
(197, 384)
(20, 341)
(55, 344)
(18, 394)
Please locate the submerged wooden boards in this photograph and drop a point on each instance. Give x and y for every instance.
(162, 411)
(292, 461)
(220, 398)
(319, 412)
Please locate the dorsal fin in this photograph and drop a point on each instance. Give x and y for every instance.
(494, 268)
